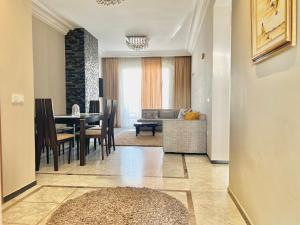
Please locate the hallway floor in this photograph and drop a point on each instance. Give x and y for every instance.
(201, 186)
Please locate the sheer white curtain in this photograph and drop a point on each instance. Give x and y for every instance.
(168, 65)
(130, 74)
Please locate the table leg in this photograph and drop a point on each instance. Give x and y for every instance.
(137, 130)
(82, 142)
(153, 130)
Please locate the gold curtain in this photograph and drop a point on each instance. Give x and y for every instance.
(110, 73)
(151, 83)
(182, 82)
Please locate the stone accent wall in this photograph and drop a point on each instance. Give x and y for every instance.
(82, 69)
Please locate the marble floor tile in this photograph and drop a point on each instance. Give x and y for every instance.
(79, 192)
(126, 161)
(199, 185)
(27, 212)
(53, 194)
(215, 208)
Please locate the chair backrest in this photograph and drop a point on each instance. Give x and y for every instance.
(50, 123)
(40, 121)
(105, 118)
(109, 105)
(112, 118)
(94, 107)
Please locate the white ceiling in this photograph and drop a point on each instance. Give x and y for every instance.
(166, 22)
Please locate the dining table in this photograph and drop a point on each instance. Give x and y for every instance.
(80, 121)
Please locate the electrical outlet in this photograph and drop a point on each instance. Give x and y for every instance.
(17, 99)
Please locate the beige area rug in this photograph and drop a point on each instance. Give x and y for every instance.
(121, 206)
(145, 138)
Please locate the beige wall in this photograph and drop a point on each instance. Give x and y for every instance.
(49, 64)
(16, 71)
(202, 71)
(265, 128)
(0, 169)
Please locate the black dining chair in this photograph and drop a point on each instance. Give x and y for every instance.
(41, 141)
(111, 127)
(94, 107)
(112, 109)
(101, 133)
(56, 139)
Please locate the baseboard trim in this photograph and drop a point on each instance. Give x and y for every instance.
(18, 192)
(224, 162)
(240, 207)
(219, 162)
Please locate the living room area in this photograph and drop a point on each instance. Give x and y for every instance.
(151, 91)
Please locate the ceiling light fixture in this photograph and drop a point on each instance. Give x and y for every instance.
(137, 43)
(109, 2)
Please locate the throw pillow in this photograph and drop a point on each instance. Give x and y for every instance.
(192, 116)
(166, 114)
(182, 112)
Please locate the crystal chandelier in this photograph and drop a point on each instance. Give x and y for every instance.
(109, 2)
(137, 43)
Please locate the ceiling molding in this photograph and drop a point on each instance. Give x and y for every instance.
(198, 18)
(43, 13)
(128, 54)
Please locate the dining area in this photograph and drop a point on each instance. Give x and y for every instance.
(71, 135)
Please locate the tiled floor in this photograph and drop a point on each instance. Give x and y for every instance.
(201, 186)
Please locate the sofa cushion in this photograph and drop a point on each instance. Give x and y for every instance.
(150, 114)
(158, 121)
(167, 114)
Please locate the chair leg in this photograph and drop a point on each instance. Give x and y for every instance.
(59, 149)
(48, 154)
(113, 140)
(55, 157)
(63, 147)
(109, 141)
(87, 146)
(106, 146)
(78, 146)
(70, 149)
(95, 144)
(102, 149)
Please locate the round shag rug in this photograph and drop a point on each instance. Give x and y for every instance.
(121, 206)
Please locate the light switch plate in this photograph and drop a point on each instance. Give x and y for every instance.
(17, 99)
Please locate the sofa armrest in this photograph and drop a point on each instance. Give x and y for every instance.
(182, 136)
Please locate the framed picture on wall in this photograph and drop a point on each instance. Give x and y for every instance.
(273, 27)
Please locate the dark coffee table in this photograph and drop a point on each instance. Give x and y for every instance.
(139, 125)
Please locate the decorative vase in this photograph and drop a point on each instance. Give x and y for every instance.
(75, 110)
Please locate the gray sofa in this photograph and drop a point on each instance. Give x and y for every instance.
(158, 115)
